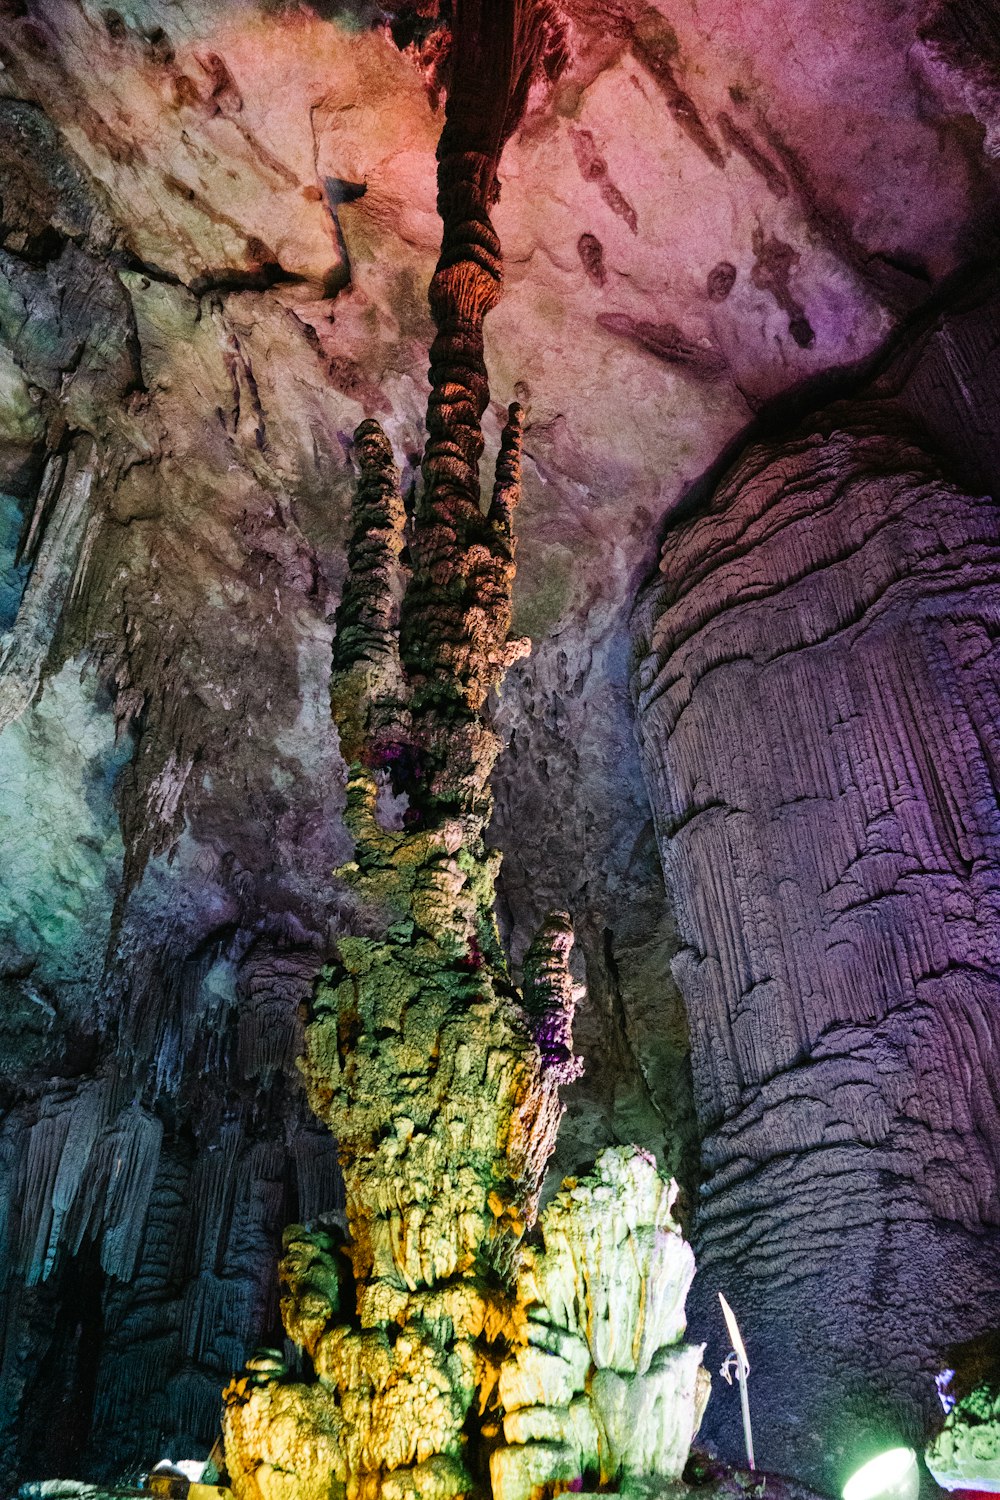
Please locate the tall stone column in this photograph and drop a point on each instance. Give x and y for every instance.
(451, 1355)
(438, 1078)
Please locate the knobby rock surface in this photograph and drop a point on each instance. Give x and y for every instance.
(438, 1077)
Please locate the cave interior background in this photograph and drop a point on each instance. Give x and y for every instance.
(760, 772)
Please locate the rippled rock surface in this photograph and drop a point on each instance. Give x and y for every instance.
(818, 702)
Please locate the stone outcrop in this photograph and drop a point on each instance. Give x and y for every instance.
(961, 46)
(578, 1364)
(816, 698)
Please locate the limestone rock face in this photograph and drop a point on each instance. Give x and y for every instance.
(815, 699)
(295, 1433)
(960, 43)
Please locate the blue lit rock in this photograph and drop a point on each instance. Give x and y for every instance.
(61, 838)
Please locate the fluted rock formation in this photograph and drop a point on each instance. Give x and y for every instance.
(818, 697)
(600, 1385)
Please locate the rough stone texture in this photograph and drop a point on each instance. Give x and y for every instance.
(578, 1362)
(294, 1434)
(818, 722)
(439, 1079)
(198, 306)
(961, 49)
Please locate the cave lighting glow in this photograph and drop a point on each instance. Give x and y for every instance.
(893, 1475)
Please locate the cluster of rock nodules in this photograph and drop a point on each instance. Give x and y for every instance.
(965, 1455)
(578, 1368)
(818, 702)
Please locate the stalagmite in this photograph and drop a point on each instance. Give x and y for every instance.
(438, 1077)
(599, 1380)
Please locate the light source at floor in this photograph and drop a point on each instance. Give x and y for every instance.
(893, 1475)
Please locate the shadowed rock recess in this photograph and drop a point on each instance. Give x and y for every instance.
(217, 230)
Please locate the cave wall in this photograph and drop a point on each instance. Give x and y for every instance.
(818, 702)
(198, 304)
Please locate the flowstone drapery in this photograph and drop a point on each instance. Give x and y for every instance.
(446, 1352)
(599, 1382)
(835, 864)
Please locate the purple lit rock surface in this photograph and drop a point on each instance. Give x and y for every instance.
(819, 702)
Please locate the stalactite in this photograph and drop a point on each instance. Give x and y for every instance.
(176, 1231)
(319, 1185)
(195, 1300)
(36, 1189)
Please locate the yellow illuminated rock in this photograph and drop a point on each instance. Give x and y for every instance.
(435, 1330)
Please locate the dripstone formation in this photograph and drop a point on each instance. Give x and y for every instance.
(817, 697)
(449, 1355)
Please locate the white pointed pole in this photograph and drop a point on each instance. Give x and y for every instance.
(742, 1371)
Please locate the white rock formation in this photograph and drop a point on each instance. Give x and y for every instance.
(601, 1386)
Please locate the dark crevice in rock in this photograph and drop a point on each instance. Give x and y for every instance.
(742, 141)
